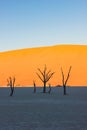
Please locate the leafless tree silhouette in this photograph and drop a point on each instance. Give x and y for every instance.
(49, 89)
(11, 83)
(34, 86)
(44, 76)
(64, 81)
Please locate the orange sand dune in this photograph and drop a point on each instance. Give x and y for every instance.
(23, 64)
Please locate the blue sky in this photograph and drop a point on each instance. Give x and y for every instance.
(33, 23)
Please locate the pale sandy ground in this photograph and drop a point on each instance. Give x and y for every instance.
(29, 111)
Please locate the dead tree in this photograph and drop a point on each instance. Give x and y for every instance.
(49, 89)
(64, 82)
(34, 86)
(11, 83)
(44, 76)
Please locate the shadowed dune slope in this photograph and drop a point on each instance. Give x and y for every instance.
(23, 64)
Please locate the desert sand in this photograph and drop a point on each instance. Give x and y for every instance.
(39, 111)
(23, 64)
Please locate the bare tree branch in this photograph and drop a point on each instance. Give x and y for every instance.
(39, 77)
(62, 76)
(49, 76)
(45, 76)
(11, 83)
(40, 71)
(68, 75)
(65, 81)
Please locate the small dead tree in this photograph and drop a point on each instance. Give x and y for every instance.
(44, 76)
(49, 89)
(11, 83)
(64, 82)
(34, 86)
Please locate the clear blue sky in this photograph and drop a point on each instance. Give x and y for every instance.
(32, 23)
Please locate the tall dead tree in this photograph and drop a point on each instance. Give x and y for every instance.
(64, 81)
(11, 83)
(44, 76)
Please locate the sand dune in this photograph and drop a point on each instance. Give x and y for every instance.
(23, 64)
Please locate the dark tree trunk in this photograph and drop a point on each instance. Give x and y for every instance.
(12, 91)
(44, 88)
(64, 89)
(49, 90)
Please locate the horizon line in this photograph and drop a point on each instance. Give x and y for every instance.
(61, 44)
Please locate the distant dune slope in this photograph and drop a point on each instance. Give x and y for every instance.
(23, 64)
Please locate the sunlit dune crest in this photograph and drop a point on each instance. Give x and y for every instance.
(23, 64)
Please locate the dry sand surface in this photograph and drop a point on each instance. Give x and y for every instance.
(29, 111)
(23, 64)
